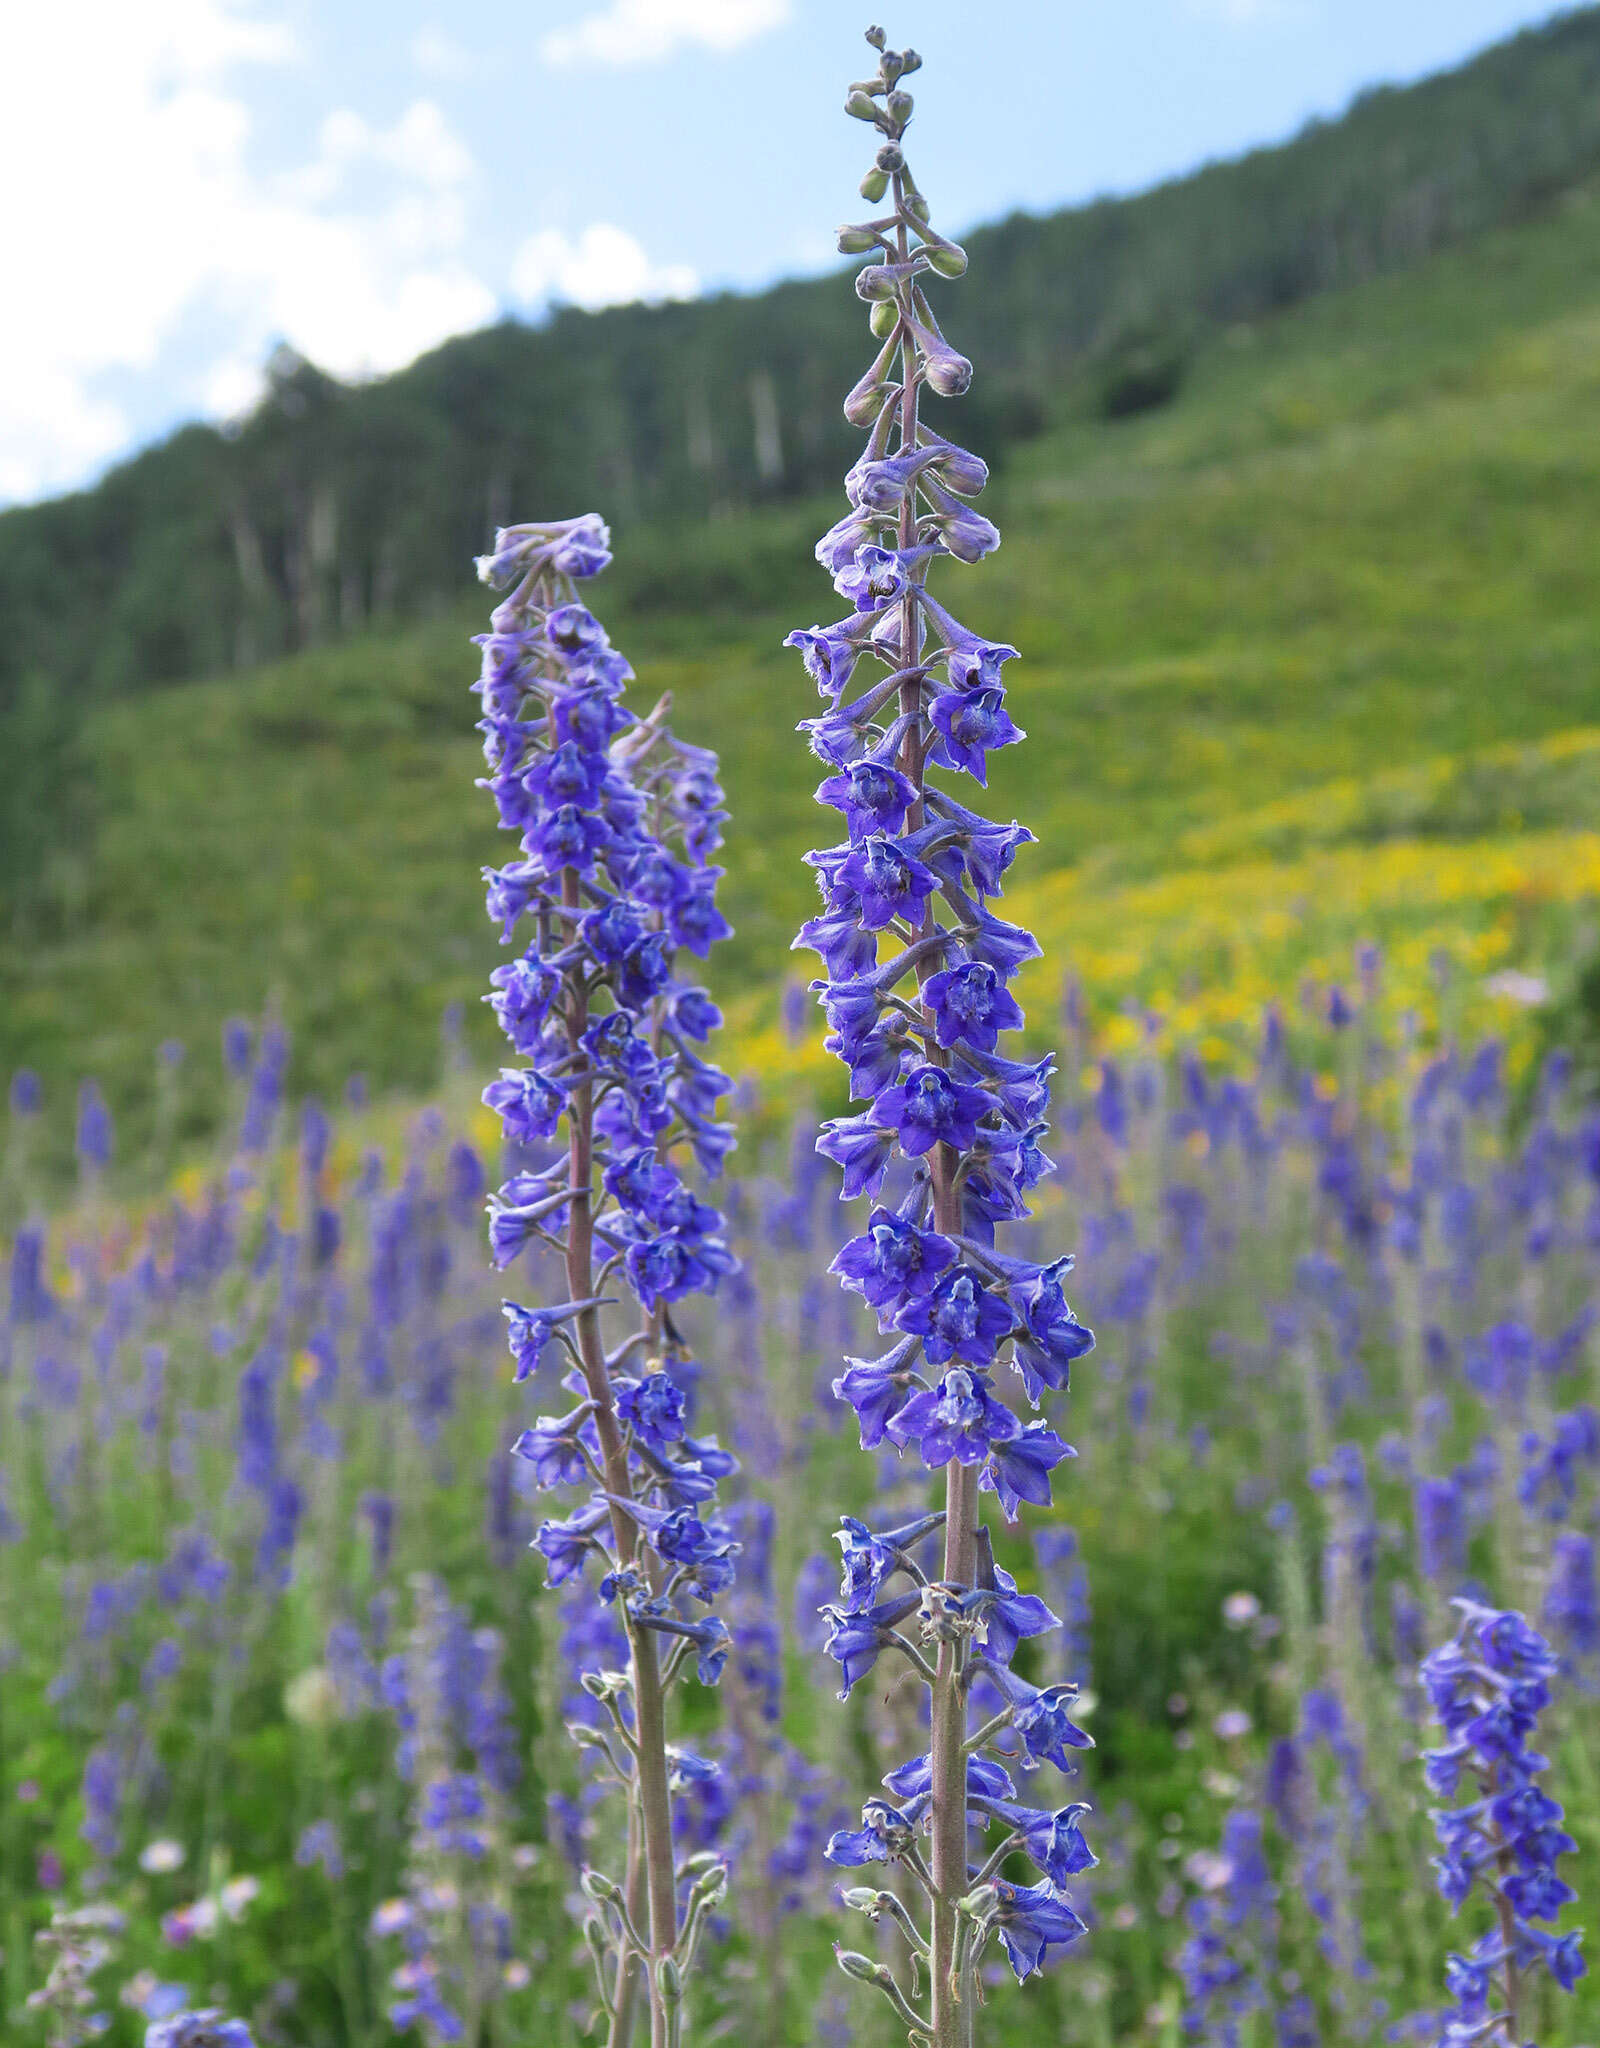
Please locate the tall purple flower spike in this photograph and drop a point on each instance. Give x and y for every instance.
(1504, 1836)
(916, 991)
(618, 824)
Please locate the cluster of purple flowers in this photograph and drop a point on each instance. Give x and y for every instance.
(917, 994)
(457, 1755)
(618, 825)
(1226, 1963)
(1488, 1687)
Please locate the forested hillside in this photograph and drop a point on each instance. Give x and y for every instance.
(337, 507)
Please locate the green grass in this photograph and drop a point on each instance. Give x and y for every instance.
(1308, 605)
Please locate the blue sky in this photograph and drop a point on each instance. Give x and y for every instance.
(364, 180)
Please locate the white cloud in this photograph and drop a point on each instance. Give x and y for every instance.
(149, 223)
(603, 266)
(645, 31)
(52, 429)
(438, 55)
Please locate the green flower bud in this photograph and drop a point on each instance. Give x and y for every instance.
(862, 1968)
(884, 315)
(855, 241)
(876, 281)
(599, 1947)
(873, 186)
(947, 259)
(860, 105)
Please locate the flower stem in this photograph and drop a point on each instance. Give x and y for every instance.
(655, 1799)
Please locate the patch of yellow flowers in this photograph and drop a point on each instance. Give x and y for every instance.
(1197, 957)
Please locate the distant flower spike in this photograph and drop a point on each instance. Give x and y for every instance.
(1488, 1688)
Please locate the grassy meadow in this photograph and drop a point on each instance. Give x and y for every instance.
(1311, 657)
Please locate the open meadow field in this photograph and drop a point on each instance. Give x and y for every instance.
(1309, 658)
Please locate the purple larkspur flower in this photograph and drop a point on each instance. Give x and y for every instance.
(894, 1261)
(873, 795)
(971, 1005)
(1019, 1467)
(1053, 1840)
(957, 1318)
(887, 881)
(1042, 1717)
(928, 1108)
(886, 1833)
(971, 726)
(555, 1449)
(529, 1107)
(868, 1559)
(856, 1640)
(959, 1418)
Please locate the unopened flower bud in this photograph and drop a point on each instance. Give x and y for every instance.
(898, 107)
(873, 186)
(909, 62)
(877, 281)
(669, 1979)
(948, 372)
(890, 158)
(947, 258)
(855, 241)
(861, 1967)
(876, 37)
(885, 318)
(860, 106)
(597, 1886)
(869, 395)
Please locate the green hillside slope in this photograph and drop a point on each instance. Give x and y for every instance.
(1312, 655)
(339, 506)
